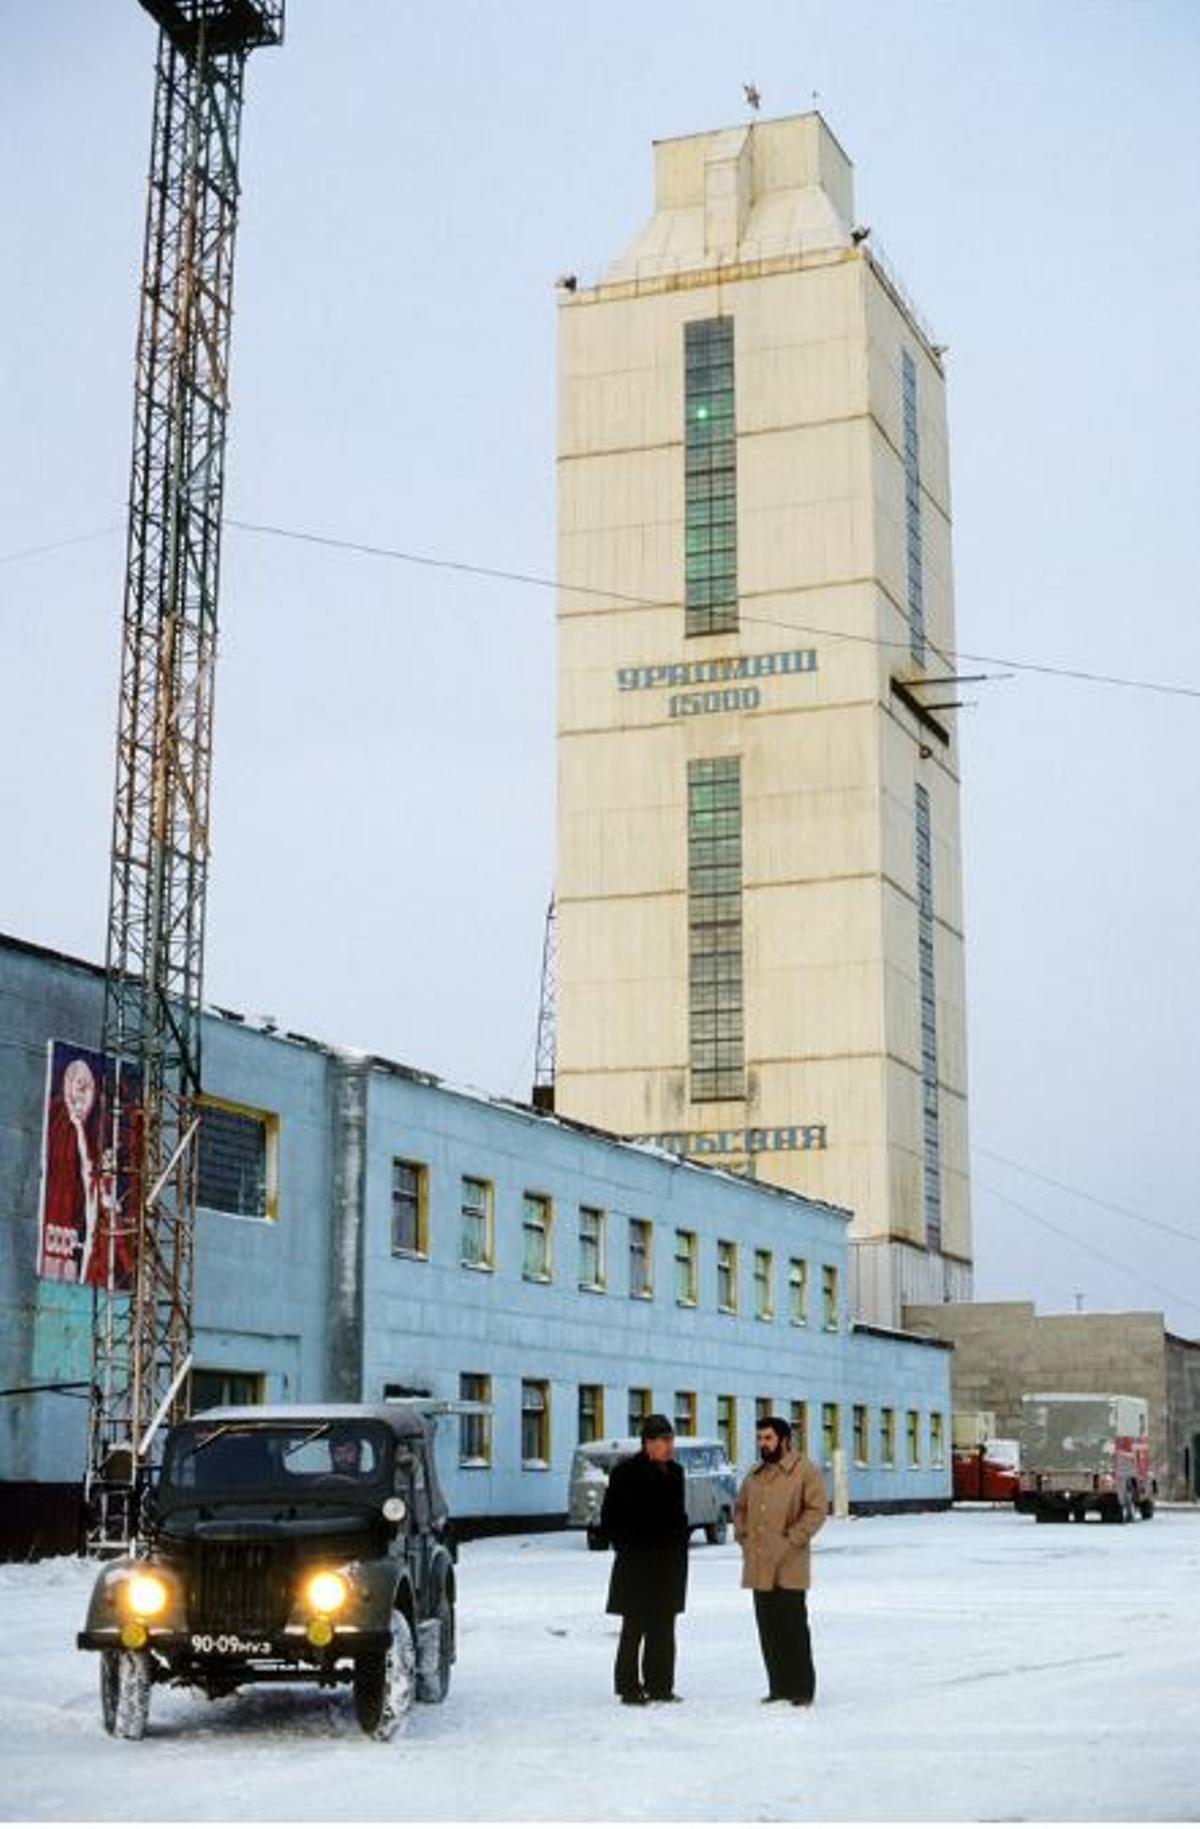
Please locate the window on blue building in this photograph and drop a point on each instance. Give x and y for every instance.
(476, 1223)
(862, 1439)
(887, 1436)
(641, 1259)
(641, 1402)
(237, 1160)
(798, 1291)
(687, 1269)
(212, 1389)
(829, 1296)
(764, 1277)
(727, 1277)
(537, 1217)
(410, 1209)
(535, 1422)
(727, 1430)
(475, 1430)
(593, 1273)
(831, 1431)
(591, 1412)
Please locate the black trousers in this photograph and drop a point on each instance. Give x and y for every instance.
(646, 1655)
(781, 1615)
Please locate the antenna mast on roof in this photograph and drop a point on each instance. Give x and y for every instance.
(544, 1052)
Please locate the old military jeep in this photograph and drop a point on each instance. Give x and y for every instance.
(284, 1545)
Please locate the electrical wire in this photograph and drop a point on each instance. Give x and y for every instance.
(405, 557)
(400, 555)
(1110, 1206)
(54, 546)
(1169, 1295)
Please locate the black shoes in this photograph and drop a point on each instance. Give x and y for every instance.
(651, 1697)
(636, 1698)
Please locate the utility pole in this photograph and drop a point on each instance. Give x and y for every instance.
(142, 1319)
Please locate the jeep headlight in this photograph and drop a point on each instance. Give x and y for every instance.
(327, 1592)
(146, 1595)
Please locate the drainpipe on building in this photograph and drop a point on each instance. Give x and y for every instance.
(349, 1077)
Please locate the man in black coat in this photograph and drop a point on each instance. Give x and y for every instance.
(644, 1518)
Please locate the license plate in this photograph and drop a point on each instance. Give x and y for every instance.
(230, 1644)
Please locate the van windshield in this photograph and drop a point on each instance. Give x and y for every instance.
(598, 1460)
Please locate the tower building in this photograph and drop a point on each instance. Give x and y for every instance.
(759, 900)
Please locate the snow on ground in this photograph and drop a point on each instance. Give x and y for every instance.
(972, 1666)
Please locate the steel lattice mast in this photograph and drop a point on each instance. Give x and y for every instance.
(155, 952)
(545, 1047)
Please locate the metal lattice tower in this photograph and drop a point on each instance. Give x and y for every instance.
(142, 1337)
(547, 1030)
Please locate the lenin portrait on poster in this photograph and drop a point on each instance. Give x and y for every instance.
(89, 1169)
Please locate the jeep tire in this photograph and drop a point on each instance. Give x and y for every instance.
(125, 1693)
(433, 1673)
(385, 1682)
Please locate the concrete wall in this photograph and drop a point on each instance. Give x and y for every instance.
(1183, 1416)
(1004, 1349)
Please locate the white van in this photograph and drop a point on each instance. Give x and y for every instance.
(710, 1484)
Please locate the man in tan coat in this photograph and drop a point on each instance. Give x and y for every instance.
(780, 1507)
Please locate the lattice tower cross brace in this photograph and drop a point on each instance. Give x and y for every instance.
(154, 963)
(546, 1045)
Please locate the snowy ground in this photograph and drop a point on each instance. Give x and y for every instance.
(971, 1666)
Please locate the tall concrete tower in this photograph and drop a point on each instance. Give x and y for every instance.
(759, 901)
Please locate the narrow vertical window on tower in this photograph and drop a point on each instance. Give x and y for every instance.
(929, 1049)
(710, 478)
(912, 509)
(717, 1050)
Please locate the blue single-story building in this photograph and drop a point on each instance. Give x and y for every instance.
(366, 1230)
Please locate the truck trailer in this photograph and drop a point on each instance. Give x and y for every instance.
(1084, 1451)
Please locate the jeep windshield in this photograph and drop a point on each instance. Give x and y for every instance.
(298, 1462)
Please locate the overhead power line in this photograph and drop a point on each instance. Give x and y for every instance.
(54, 546)
(1135, 1276)
(1095, 1200)
(404, 557)
(400, 555)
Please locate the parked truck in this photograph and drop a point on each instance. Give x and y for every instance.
(986, 1466)
(1081, 1452)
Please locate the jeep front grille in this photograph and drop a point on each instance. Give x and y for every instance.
(241, 1587)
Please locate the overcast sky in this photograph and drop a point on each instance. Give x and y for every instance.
(414, 179)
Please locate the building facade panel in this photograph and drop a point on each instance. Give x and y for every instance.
(801, 410)
(427, 1241)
